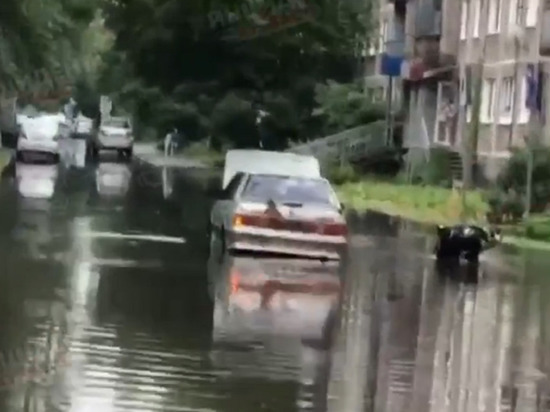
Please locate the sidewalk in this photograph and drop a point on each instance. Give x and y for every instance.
(148, 153)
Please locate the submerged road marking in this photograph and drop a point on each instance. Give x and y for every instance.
(151, 238)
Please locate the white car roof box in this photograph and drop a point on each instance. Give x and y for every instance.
(267, 162)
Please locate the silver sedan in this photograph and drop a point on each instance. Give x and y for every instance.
(279, 214)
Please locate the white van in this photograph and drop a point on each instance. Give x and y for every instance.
(266, 162)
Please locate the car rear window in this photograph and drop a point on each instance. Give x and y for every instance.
(288, 190)
(124, 124)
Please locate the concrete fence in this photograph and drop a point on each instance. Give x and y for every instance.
(349, 145)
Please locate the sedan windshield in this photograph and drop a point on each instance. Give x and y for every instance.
(281, 189)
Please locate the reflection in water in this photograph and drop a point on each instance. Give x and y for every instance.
(167, 182)
(36, 181)
(113, 179)
(139, 321)
(438, 346)
(272, 315)
(73, 153)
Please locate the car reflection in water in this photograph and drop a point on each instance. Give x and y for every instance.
(113, 179)
(36, 181)
(273, 317)
(167, 182)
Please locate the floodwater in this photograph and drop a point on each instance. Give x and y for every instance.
(109, 302)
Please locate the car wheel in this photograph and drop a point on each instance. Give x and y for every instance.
(19, 156)
(129, 153)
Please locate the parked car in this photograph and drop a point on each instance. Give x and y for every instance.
(277, 203)
(83, 128)
(39, 139)
(114, 134)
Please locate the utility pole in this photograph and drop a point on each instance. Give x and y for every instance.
(518, 45)
(389, 111)
(535, 103)
(472, 132)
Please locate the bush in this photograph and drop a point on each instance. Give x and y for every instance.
(233, 120)
(505, 207)
(438, 170)
(513, 177)
(538, 229)
(340, 174)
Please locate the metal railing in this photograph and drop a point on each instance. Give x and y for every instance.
(350, 145)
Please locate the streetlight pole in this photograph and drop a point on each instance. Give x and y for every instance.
(529, 189)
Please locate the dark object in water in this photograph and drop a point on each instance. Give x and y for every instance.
(467, 241)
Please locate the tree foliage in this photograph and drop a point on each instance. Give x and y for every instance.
(346, 105)
(175, 62)
(513, 179)
(42, 43)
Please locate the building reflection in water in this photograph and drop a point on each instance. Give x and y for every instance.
(418, 342)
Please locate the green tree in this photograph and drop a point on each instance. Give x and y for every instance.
(172, 47)
(41, 42)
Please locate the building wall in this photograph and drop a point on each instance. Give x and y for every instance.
(505, 120)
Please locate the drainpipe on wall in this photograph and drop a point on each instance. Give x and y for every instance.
(515, 91)
(518, 43)
(471, 145)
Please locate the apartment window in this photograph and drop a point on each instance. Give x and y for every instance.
(519, 12)
(531, 12)
(488, 99)
(477, 18)
(384, 28)
(464, 20)
(494, 16)
(507, 96)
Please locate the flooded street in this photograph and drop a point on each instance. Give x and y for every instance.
(109, 302)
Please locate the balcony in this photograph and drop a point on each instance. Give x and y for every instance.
(545, 32)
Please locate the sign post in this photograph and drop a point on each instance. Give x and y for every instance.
(105, 107)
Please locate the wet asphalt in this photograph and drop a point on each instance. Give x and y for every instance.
(109, 302)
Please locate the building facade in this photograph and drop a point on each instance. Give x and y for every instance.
(447, 46)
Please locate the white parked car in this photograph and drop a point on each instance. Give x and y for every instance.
(114, 134)
(277, 203)
(39, 139)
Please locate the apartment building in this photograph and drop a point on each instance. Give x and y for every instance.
(447, 45)
(508, 40)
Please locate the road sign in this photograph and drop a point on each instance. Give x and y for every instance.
(105, 106)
